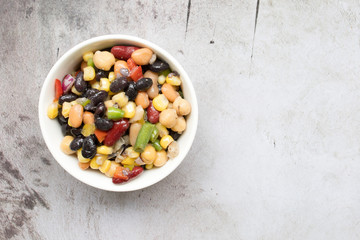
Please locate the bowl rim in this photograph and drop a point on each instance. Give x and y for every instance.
(140, 41)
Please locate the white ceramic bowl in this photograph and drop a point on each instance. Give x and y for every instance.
(51, 130)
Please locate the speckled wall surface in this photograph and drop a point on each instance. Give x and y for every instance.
(277, 152)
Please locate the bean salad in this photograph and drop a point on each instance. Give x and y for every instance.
(122, 112)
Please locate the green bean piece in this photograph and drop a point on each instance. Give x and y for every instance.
(90, 62)
(114, 113)
(154, 135)
(181, 94)
(157, 145)
(83, 101)
(143, 137)
(165, 72)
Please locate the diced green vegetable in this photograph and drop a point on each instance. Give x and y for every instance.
(143, 136)
(157, 145)
(154, 135)
(90, 62)
(165, 72)
(114, 113)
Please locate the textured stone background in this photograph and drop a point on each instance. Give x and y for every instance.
(277, 150)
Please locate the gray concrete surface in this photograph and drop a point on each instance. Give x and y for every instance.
(277, 152)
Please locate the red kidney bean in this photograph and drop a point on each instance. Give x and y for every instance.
(135, 172)
(123, 52)
(152, 114)
(115, 133)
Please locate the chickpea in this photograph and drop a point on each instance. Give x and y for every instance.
(173, 150)
(65, 145)
(180, 125)
(76, 115)
(88, 118)
(168, 118)
(142, 100)
(153, 91)
(104, 60)
(161, 158)
(119, 65)
(149, 154)
(169, 91)
(142, 56)
(133, 132)
(182, 106)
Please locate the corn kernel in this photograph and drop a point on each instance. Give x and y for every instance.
(88, 55)
(66, 109)
(130, 167)
(105, 166)
(104, 84)
(128, 161)
(129, 109)
(111, 171)
(89, 73)
(96, 85)
(100, 159)
(88, 129)
(109, 103)
(149, 166)
(73, 90)
(160, 102)
(162, 130)
(53, 110)
(173, 80)
(105, 150)
(165, 141)
(130, 152)
(121, 99)
(111, 76)
(161, 79)
(81, 158)
(93, 164)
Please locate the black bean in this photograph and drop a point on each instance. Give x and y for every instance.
(76, 131)
(88, 147)
(103, 124)
(131, 92)
(143, 84)
(119, 84)
(77, 143)
(80, 84)
(65, 129)
(61, 119)
(158, 66)
(100, 110)
(90, 92)
(67, 98)
(174, 135)
(90, 107)
(101, 74)
(98, 97)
